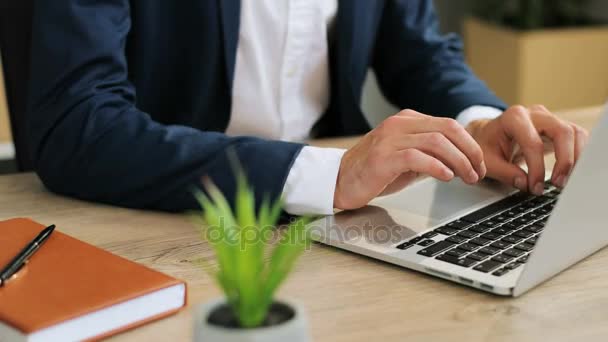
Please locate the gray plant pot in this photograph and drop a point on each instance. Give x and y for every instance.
(214, 322)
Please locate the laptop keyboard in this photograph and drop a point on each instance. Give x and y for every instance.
(495, 239)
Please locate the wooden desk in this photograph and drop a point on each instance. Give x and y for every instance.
(348, 297)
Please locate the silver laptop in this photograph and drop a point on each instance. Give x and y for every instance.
(486, 236)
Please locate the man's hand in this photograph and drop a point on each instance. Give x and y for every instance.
(518, 132)
(390, 157)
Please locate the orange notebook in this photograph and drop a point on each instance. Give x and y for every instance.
(71, 291)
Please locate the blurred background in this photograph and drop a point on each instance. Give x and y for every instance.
(553, 52)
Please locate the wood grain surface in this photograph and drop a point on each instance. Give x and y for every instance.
(348, 297)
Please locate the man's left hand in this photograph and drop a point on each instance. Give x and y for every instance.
(522, 132)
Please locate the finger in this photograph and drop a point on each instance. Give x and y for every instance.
(412, 160)
(562, 136)
(580, 141)
(457, 134)
(519, 126)
(506, 172)
(400, 183)
(540, 108)
(440, 147)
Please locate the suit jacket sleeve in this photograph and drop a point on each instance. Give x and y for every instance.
(89, 139)
(419, 68)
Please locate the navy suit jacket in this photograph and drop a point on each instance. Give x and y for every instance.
(128, 99)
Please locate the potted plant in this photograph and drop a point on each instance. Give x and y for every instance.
(539, 51)
(248, 271)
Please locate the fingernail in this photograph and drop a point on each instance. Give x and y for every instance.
(473, 177)
(520, 183)
(539, 188)
(449, 173)
(560, 181)
(483, 169)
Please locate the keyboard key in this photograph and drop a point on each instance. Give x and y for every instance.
(457, 252)
(510, 214)
(513, 265)
(479, 229)
(480, 241)
(526, 247)
(543, 211)
(541, 200)
(429, 235)
(458, 224)
(468, 247)
(549, 206)
(532, 240)
(415, 240)
(501, 272)
(511, 239)
(487, 266)
(436, 248)
(534, 228)
(500, 245)
(522, 221)
(491, 236)
(529, 204)
(405, 246)
(478, 256)
(490, 223)
(501, 231)
(510, 226)
(520, 209)
(552, 194)
(494, 208)
(456, 239)
(523, 259)
(446, 231)
(489, 250)
(523, 233)
(501, 218)
(532, 216)
(468, 234)
(514, 252)
(464, 262)
(425, 243)
(502, 258)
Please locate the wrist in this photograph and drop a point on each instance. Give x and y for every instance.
(338, 200)
(475, 126)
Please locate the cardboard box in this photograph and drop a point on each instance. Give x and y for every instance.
(560, 68)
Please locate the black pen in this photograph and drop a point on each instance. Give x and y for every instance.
(15, 265)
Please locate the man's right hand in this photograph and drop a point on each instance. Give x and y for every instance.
(391, 156)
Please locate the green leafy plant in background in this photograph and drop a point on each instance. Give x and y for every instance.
(534, 14)
(241, 241)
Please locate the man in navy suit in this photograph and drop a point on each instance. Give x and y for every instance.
(131, 102)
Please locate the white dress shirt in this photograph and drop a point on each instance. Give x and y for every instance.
(282, 87)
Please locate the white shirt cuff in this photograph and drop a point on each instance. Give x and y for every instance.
(310, 185)
(477, 113)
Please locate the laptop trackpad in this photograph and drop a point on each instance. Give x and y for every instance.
(419, 207)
